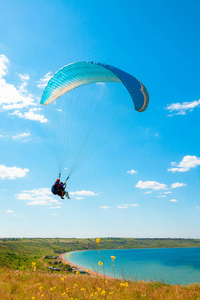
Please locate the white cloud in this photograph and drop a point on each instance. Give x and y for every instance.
(23, 77)
(3, 65)
(148, 192)
(10, 96)
(104, 207)
(173, 200)
(30, 115)
(181, 108)
(127, 205)
(16, 98)
(151, 185)
(83, 193)
(79, 198)
(55, 207)
(9, 211)
(187, 163)
(12, 172)
(161, 196)
(40, 196)
(177, 185)
(169, 192)
(132, 172)
(54, 214)
(21, 136)
(43, 81)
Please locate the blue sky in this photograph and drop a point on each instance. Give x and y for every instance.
(145, 181)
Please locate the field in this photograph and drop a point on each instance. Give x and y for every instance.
(24, 272)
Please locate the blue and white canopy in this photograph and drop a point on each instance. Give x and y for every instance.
(83, 72)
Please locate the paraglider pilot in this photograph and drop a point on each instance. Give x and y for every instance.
(59, 189)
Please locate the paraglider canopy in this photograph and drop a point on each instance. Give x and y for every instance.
(80, 73)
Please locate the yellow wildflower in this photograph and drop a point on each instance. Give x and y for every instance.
(110, 293)
(62, 279)
(88, 270)
(106, 281)
(100, 263)
(68, 255)
(40, 287)
(82, 289)
(33, 298)
(124, 284)
(113, 257)
(63, 294)
(33, 263)
(103, 293)
(99, 289)
(92, 295)
(42, 295)
(98, 241)
(77, 272)
(75, 285)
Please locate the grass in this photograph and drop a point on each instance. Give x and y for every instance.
(15, 284)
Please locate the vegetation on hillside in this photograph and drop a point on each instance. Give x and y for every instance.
(19, 253)
(39, 285)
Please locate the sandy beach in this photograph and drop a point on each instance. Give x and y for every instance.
(93, 273)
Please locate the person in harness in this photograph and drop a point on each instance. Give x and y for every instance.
(59, 189)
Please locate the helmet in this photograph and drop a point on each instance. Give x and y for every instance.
(58, 180)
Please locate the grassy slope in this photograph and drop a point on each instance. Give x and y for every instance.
(39, 285)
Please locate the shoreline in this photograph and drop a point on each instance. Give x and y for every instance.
(90, 272)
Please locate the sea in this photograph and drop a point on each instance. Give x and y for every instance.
(166, 265)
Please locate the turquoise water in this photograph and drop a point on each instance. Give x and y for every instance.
(175, 265)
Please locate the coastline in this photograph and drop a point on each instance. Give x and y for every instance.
(90, 272)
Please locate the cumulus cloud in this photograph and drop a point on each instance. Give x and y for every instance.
(127, 205)
(44, 80)
(79, 198)
(161, 196)
(21, 136)
(151, 185)
(187, 163)
(12, 172)
(83, 193)
(181, 108)
(40, 196)
(177, 185)
(3, 65)
(9, 211)
(173, 200)
(55, 207)
(104, 207)
(148, 192)
(23, 77)
(132, 172)
(169, 192)
(31, 115)
(16, 98)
